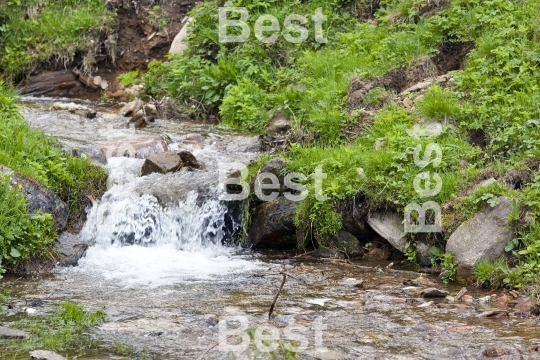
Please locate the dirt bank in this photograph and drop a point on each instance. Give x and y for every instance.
(143, 33)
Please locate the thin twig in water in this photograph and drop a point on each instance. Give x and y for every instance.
(207, 351)
(277, 295)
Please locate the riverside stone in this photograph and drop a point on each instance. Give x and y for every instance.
(7, 333)
(273, 225)
(389, 225)
(45, 355)
(483, 238)
(39, 198)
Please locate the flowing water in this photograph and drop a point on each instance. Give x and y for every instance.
(163, 267)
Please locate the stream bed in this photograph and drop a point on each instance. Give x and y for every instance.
(172, 288)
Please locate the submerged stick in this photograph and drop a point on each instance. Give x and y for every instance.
(276, 297)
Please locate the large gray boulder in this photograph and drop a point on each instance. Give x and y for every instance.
(273, 225)
(482, 238)
(39, 198)
(389, 225)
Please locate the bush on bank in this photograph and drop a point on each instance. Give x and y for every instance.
(33, 154)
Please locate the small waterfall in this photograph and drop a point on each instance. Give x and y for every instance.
(157, 229)
(131, 219)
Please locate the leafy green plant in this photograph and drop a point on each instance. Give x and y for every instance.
(129, 78)
(410, 253)
(245, 106)
(445, 262)
(492, 274)
(490, 199)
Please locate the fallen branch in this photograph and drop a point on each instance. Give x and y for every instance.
(276, 297)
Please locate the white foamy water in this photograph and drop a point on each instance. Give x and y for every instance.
(163, 229)
(163, 265)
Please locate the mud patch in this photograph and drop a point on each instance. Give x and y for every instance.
(478, 138)
(139, 39)
(451, 56)
(517, 178)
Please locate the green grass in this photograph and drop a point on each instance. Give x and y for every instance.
(33, 31)
(33, 154)
(64, 329)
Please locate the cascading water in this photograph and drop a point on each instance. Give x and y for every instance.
(157, 229)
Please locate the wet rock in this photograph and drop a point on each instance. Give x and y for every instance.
(523, 305)
(39, 198)
(91, 114)
(378, 254)
(71, 249)
(273, 225)
(7, 333)
(139, 147)
(494, 352)
(194, 139)
(433, 292)
(389, 226)
(45, 355)
(493, 313)
(211, 321)
(162, 163)
(150, 110)
(503, 300)
(347, 243)
(483, 238)
(423, 255)
(355, 283)
(353, 221)
(131, 108)
(323, 253)
(179, 45)
(279, 123)
(276, 167)
(71, 107)
(189, 160)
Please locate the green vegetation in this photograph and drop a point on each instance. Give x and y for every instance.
(129, 78)
(33, 31)
(37, 156)
(494, 98)
(64, 329)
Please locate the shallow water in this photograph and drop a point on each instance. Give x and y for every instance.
(160, 269)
